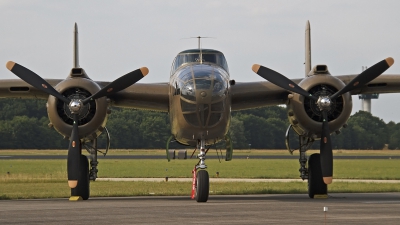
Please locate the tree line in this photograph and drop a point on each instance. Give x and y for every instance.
(24, 125)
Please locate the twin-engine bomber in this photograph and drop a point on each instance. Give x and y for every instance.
(199, 98)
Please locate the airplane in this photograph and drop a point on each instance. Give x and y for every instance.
(199, 99)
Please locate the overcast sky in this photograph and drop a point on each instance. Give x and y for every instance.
(117, 37)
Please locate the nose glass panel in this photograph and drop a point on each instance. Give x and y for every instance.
(203, 91)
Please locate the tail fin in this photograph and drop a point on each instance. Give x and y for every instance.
(76, 47)
(308, 49)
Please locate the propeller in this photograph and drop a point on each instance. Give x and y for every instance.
(75, 105)
(326, 154)
(35, 80)
(324, 103)
(119, 84)
(73, 160)
(281, 81)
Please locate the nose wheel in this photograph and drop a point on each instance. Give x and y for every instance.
(201, 179)
(202, 188)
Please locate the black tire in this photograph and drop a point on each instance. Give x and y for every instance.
(316, 185)
(202, 186)
(83, 187)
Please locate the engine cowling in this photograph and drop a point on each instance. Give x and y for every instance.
(92, 117)
(303, 113)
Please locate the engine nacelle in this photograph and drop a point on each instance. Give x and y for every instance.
(304, 114)
(92, 117)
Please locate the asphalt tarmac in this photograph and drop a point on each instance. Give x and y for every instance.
(382, 208)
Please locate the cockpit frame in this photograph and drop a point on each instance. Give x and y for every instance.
(192, 56)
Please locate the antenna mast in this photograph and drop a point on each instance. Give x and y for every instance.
(201, 53)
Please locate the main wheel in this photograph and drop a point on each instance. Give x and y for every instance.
(202, 186)
(316, 185)
(83, 187)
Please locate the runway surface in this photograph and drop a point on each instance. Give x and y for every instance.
(208, 157)
(383, 208)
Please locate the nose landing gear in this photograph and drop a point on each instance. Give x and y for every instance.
(201, 179)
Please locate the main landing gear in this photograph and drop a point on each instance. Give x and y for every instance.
(313, 173)
(201, 179)
(87, 174)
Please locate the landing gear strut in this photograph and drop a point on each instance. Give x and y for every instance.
(201, 177)
(305, 143)
(93, 150)
(85, 174)
(313, 173)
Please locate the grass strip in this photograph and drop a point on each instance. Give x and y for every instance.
(55, 170)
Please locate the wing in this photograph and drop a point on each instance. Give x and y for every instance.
(137, 96)
(386, 83)
(155, 96)
(17, 88)
(142, 96)
(258, 94)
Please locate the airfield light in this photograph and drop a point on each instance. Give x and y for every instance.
(325, 210)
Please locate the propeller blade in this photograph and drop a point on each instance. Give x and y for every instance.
(119, 84)
(35, 80)
(326, 151)
(74, 155)
(366, 76)
(281, 81)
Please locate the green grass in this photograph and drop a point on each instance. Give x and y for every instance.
(237, 168)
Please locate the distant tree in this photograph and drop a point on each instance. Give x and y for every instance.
(237, 133)
(155, 131)
(258, 134)
(278, 128)
(364, 131)
(394, 135)
(11, 107)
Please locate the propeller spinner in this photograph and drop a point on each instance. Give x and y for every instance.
(75, 105)
(324, 103)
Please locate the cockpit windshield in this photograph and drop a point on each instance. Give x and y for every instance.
(193, 55)
(201, 77)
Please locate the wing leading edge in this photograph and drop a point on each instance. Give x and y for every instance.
(155, 96)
